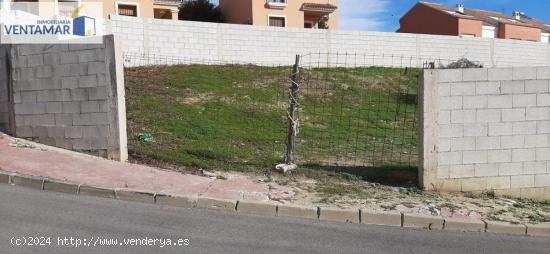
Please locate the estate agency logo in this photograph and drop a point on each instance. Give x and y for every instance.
(27, 27)
(79, 26)
(84, 26)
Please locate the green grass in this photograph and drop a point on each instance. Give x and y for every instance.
(358, 115)
(234, 117)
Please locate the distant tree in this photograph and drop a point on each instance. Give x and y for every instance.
(199, 10)
(323, 23)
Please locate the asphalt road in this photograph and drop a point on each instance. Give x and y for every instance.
(51, 219)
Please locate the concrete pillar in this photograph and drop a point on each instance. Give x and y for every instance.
(175, 14)
(429, 130)
(117, 117)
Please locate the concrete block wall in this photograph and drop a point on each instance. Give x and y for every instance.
(212, 43)
(486, 129)
(71, 96)
(4, 95)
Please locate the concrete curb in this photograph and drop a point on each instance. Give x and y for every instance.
(4, 177)
(96, 192)
(298, 212)
(465, 225)
(27, 181)
(539, 229)
(177, 201)
(381, 218)
(62, 187)
(257, 208)
(362, 216)
(505, 228)
(217, 204)
(423, 221)
(141, 197)
(339, 215)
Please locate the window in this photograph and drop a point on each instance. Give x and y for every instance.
(26, 6)
(277, 21)
(489, 32)
(277, 4)
(127, 9)
(163, 13)
(308, 24)
(66, 7)
(545, 37)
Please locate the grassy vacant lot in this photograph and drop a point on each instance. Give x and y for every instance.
(234, 117)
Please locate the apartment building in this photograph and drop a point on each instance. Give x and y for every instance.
(159, 9)
(433, 18)
(281, 13)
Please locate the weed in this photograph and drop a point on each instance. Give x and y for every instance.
(452, 207)
(408, 204)
(495, 215)
(537, 217)
(389, 207)
(413, 191)
(472, 195)
(490, 194)
(350, 177)
(325, 200)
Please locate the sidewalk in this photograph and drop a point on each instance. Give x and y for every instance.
(57, 164)
(239, 194)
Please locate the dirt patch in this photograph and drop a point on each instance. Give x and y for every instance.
(196, 98)
(354, 194)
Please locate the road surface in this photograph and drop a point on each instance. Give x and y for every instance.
(61, 223)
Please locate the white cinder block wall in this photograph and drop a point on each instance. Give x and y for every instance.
(211, 42)
(487, 129)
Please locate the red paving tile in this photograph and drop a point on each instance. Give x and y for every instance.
(98, 172)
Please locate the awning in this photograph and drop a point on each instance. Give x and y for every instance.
(324, 8)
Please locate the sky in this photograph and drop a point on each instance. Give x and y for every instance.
(384, 15)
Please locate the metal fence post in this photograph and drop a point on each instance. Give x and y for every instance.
(292, 121)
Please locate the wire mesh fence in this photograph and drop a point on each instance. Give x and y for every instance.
(141, 59)
(333, 109)
(206, 114)
(355, 112)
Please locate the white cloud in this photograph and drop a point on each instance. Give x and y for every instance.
(362, 14)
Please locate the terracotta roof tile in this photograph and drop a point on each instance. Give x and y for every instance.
(490, 17)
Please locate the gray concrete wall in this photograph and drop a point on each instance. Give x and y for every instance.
(4, 95)
(213, 43)
(71, 96)
(486, 129)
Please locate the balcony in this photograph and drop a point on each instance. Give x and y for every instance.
(169, 2)
(320, 9)
(276, 4)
